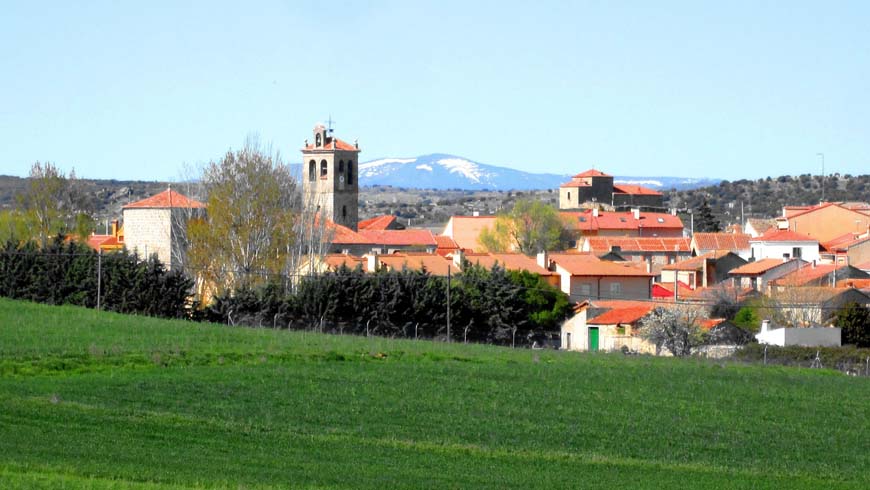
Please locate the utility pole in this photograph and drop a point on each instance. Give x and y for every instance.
(99, 276)
(448, 302)
(823, 175)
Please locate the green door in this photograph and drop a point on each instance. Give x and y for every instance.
(593, 338)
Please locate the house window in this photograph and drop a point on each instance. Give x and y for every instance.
(585, 290)
(569, 197)
(615, 290)
(568, 341)
(323, 169)
(350, 172)
(796, 252)
(317, 140)
(312, 169)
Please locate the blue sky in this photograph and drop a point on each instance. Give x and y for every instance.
(721, 89)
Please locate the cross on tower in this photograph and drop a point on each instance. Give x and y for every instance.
(329, 124)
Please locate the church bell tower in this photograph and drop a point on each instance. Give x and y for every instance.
(329, 179)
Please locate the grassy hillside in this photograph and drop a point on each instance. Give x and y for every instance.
(96, 400)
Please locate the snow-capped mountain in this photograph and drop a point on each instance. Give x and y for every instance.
(441, 171)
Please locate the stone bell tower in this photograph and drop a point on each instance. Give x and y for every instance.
(329, 176)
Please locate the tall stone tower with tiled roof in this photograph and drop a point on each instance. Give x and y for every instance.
(329, 176)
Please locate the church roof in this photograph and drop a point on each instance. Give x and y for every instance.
(166, 199)
(332, 143)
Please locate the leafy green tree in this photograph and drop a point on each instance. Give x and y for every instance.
(529, 227)
(547, 305)
(854, 319)
(55, 204)
(747, 318)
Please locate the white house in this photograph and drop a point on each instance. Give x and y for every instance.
(784, 244)
(806, 336)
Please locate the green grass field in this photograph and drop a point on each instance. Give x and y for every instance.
(105, 401)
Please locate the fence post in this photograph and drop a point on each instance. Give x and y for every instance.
(765, 355)
(99, 276)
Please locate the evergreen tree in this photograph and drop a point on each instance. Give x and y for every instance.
(854, 319)
(705, 221)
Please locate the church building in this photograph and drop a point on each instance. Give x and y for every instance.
(329, 179)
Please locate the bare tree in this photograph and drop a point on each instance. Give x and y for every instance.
(55, 204)
(675, 328)
(249, 229)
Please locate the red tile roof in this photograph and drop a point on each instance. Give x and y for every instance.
(757, 267)
(666, 290)
(761, 225)
(783, 236)
(606, 220)
(434, 264)
(635, 190)
(509, 261)
(589, 265)
(854, 283)
(334, 261)
(343, 235)
(616, 316)
(805, 275)
(591, 173)
(376, 223)
(333, 144)
(398, 237)
(445, 245)
(843, 242)
(732, 242)
(166, 199)
(603, 244)
(695, 263)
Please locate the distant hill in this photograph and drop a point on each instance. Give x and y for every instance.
(443, 171)
(765, 198)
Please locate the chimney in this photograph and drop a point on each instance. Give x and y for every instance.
(595, 212)
(458, 258)
(372, 262)
(543, 261)
(765, 325)
(115, 228)
(475, 213)
(636, 213)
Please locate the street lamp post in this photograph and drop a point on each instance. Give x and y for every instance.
(823, 175)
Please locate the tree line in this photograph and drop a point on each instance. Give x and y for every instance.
(480, 305)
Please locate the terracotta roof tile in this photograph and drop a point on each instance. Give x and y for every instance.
(333, 144)
(695, 263)
(805, 275)
(398, 237)
(733, 242)
(603, 244)
(783, 236)
(843, 242)
(854, 283)
(509, 261)
(166, 199)
(618, 316)
(434, 264)
(334, 261)
(635, 190)
(757, 267)
(376, 223)
(606, 220)
(591, 173)
(589, 265)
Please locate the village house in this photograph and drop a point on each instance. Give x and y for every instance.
(656, 252)
(784, 244)
(824, 222)
(737, 243)
(702, 271)
(634, 223)
(758, 226)
(756, 275)
(110, 242)
(819, 275)
(465, 230)
(850, 248)
(584, 276)
(806, 305)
